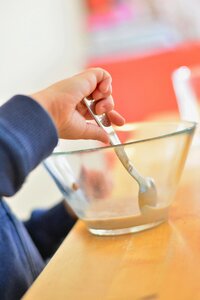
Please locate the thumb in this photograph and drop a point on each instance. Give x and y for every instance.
(94, 132)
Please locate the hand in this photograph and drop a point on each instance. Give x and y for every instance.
(63, 101)
(95, 183)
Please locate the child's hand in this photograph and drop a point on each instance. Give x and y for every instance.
(95, 183)
(63, 101)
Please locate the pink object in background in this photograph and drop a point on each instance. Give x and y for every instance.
(103, 19)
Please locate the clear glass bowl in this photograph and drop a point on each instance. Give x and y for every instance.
(100, 190)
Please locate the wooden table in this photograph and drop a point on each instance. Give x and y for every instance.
(160, 263)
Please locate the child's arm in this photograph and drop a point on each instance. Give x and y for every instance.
(48, 228)
(28, 134)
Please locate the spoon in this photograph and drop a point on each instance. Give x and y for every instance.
(147, 194)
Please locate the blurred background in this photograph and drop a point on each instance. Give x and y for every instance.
(141, 43)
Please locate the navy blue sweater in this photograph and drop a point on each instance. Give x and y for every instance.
(27, 136)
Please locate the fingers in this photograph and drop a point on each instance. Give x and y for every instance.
(101, 106)
(116, 118)
(104, 106)
(105, 86)
(94, 82)
(93, 131)
(103, 89)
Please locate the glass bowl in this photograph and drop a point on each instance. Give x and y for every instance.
(100, 190)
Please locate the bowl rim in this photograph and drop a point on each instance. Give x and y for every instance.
(190, 127)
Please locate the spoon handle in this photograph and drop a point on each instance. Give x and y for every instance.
(104, 122)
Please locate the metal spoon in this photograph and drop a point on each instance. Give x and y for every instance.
(147, 190)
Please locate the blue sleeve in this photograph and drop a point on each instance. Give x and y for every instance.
(27, 136)
(48, 228)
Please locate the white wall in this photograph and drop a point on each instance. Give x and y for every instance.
(40, 42)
